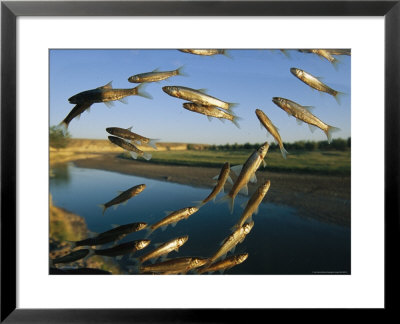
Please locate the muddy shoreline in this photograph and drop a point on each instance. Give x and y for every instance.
(325, 198)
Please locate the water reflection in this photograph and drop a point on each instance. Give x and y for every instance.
(281, 241)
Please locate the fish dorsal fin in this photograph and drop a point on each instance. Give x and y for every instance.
(167, 212)
(216, 177)
(129, 128)
(229, 179)
(264, 163)
(114, 225)
(309, 108)
(243, 204)
(253, 178)
(107, 86)
(237, 169)
(156, 70)
(202, 90)
(256, 211)
(156, 245)
(120, 192)
(244, 190)
(312, 128)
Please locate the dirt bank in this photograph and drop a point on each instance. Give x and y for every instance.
(325, 198)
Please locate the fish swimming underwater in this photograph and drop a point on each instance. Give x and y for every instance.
(132, 149)
(180, 265)
(126, 133)
(71, 257)
(302, 113)
(266, 122)
(155, 75)
(124, 196)
(197, 96)
(322, 53)
(315, 83)
(124, 248)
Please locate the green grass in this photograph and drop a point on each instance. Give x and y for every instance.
(318, 162)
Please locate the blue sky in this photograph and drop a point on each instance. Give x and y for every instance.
(250, 78)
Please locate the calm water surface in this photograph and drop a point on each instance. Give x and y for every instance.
(281, 241)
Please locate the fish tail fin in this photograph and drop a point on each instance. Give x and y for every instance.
(147, 156)
(284, 152)
(139, 91)
(232, 105)
(153, 142)
(63, 126)
(103, 207)
(235, 121)
(286, 53)
(227, 53)
(148, 232)
(338, 96)
(181, 71)
(230, 200)
(329, 132)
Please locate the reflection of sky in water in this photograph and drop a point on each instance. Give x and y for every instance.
(281, 242)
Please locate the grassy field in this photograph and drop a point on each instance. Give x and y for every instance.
(328, 162)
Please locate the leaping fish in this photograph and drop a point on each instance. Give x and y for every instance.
(174, 266)
(75, 112)
(205, 52)
(124, 196)
(107, 94)
(124, 248)
(115, 234)
(155, 75)
(246, 173)
(164, 249)
(225, 264)
(211, 111)
(196, 96)
(172, 218)
(315, 83)
(231, 241)
(132, 149)
(221, 180)
(266, 122)
(322, 53)
(253, 203)
(133, 137)
(302, 113)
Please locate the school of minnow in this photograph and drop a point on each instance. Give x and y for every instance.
(200, 102)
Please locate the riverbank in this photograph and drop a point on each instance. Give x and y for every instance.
(326, 198)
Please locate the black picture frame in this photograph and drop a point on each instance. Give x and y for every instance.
(10, 10)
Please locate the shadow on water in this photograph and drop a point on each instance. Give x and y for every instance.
(281, 242)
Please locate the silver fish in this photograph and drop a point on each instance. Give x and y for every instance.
(221, 180)
(133, 137)
(315, 83)
(225, 264)
(302, 113)
(132, 149)
(211, 111)
(174, 266)
(196, 96)
(266, 122)
(164, 249)
(205, 52)
(155, 75)
(124, 196)
(246, 173)
(124, 248)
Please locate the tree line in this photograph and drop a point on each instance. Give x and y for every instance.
(336, 144)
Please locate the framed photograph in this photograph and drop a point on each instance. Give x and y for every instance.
(110, 143)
